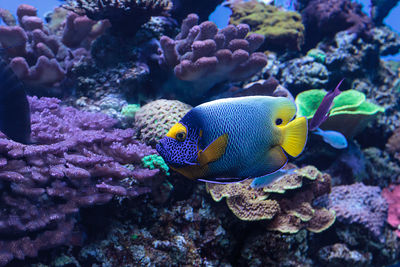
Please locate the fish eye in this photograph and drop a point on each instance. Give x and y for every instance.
(278, 121)
(180, 136)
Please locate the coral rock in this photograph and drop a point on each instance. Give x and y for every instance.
(156, 118)
(286, 203)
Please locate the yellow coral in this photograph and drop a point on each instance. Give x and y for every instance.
(286, 212)
(280, 28)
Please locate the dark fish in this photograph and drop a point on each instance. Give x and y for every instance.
(15, 121)
(322, 112)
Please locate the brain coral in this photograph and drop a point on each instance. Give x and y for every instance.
(157, 117)
(286, 203)
(281, 29)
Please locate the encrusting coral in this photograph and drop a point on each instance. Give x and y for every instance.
(78, 161)
(202, 56)
(125, 16)
(286, 203)
(281, 29)
(392, 196)
(350, 112)
(358, 204)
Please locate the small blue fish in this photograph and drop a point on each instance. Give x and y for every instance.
(233, 139)
(263, 181)
(334, 138)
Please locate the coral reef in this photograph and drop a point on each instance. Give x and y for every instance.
(340, 254)
(202, 56)
(78, 162)
(350, 112)
(358, 204)
(392, 196)
(380, 9)
(323, 18)
(126, 16)
(304, 73)
(281, 29)
(154, 119)
(43, 59)
(286, 212)
(393, 144)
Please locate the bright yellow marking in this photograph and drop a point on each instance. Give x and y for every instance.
(192, 172)
(177, 128)
(214, 151)
(294, 136)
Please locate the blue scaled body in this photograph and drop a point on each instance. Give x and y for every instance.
(234, 139)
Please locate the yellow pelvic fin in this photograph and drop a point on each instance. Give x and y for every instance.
(294, 136)
(214, 151)
(192, 171)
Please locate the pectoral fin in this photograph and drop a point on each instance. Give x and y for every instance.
(214, 151)
(192, 171)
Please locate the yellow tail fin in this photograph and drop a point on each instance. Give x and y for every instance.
(295, 136)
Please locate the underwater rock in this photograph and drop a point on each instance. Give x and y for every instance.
(303, 73)
(325, 18)
(380, 9)
(358, 204)
(281, 29)
(202, 56)
(126, 16)
(341, 255)
(154, 119)
(388, 40)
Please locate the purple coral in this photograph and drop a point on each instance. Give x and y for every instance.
(41, 58)
(359, 204)
(79, 162)
(203, 55)
(327, 17)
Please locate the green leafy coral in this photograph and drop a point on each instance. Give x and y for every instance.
(130, 110)
(350, 112)
(281, 28)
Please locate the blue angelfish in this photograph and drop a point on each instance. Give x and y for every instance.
(263, 181)
(334, 138)
(233, 139)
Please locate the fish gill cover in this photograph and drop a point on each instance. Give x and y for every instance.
(92, 190)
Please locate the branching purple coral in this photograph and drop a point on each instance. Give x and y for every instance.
(203, 55)
(358, 204)
(40, 57)
(79, 162)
